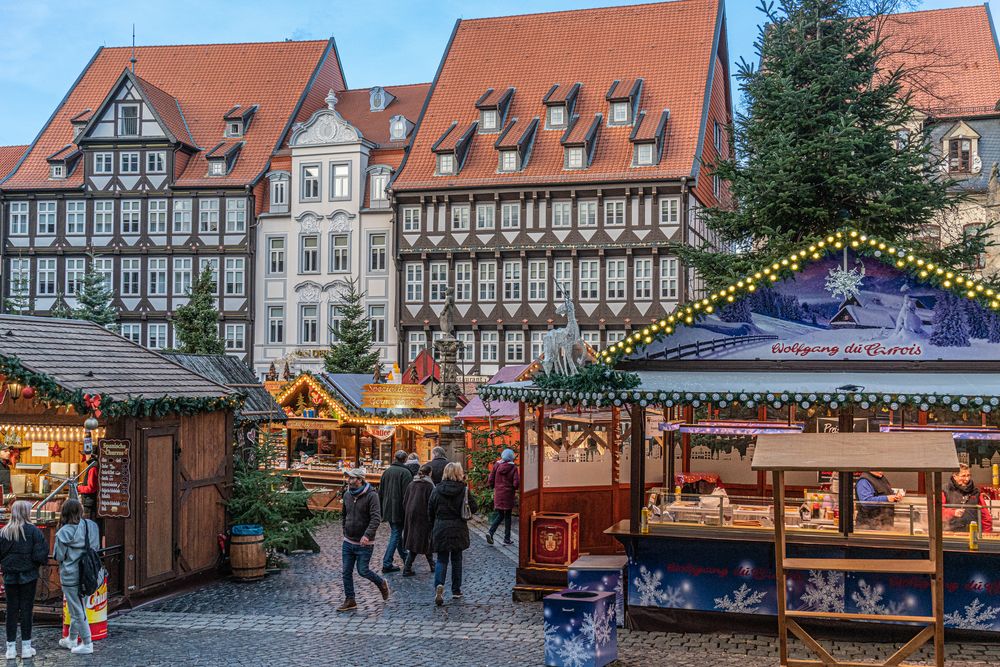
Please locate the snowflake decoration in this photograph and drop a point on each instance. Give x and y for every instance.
(869, 599)
(596, 627)
(672, 597)
(975, 616)
(745, 600)
(824, 591)
(551, 641)
(573, 652)
(843, 283)
(647, 584)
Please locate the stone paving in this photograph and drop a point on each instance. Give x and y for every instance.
(289, 619)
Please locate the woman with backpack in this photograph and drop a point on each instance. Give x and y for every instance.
(74, 539)
(450, 507)
(22, 550)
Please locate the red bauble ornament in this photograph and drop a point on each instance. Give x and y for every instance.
(28, 393)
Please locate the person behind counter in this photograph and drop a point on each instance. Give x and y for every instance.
(71, 542)
(23, 550)
(874, 492)
(961, 490)
(5, 463)
(88, 487)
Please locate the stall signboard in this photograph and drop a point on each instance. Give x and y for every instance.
(114, 474)
(839, 308)
(380, 432)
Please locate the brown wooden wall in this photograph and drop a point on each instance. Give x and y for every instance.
(205, 476)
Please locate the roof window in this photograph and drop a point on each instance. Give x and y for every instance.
(493, 107)
(623, 101)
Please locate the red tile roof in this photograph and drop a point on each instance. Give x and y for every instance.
(354, 106)
(169, 110)
(955, 53)
(206, 80)
(9, 155)
(668, 44)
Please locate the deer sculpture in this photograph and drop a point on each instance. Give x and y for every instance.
(563, 349)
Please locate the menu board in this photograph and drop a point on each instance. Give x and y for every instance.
(114, 473)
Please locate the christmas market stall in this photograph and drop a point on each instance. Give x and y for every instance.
(500, 418)
(161, 438)
(848, 335)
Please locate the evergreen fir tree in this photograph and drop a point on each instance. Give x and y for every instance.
(819, 144)
(93, 299)
(951, 325)
(994, 327)
(738, 311)
(352, 351)
(977, 316)
(196, 323)
(60, 309)
(18, 302)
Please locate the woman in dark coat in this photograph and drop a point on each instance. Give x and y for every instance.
(450, 532)
(416, 522)
(504, 480)
(23, 550)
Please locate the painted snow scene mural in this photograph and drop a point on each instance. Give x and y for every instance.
(841, 307)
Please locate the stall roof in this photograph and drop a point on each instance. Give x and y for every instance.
(848, 452)
(348, 387)
(476, 409)
(233, 373)
(82, 356)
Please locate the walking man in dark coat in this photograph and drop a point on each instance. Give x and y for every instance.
(417, 528)
(438, 461)
(392, 488)
(359, 522)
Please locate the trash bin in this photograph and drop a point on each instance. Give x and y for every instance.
(580, 629)
(96, 606)
(602, 573)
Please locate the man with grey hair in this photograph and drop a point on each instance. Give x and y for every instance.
(359, 522)
(392, 488)
(438, 461)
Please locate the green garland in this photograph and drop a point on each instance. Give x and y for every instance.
(593, 378)
(47, 389)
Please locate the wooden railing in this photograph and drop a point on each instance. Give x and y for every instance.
(697, 348)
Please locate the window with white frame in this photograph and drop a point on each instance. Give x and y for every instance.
(236, 336)
(76, 267)
(235, 276)
(131, 216)
(508, 161)
(616, 278)
(643, 155)
(182, 275)
(668, 277)
(485, 216)
(562, 276)
(574, 157)
(411, 219)
(208, 216)
(310, 182)
(590, 279)
(104, 163)
(128, 120)
(467, 346)
(279, 193)
(515, 346)
(340, 249)
(670, 211)
(105, 268)
(487, 280)
(309, 254)
(340, 175)
(275, 255)
(489, 346)
(615, 336)
(488, 120)
(586, 212)
(438, 280)
(378, 196)
(446, 164)
(510, 215)
(76, 217)
(275, 324)
(376, 322)
(538, 279)
(57, 170)
(397, 128)
(460, 217)
(45, 218)
(591, 337)
(463, 281)
(234, 128)
(17, 212)
(128, 163)
(308, 324)
(512, 280)
(212, 264)
(377, 250)
(555, 117)
(614, 213)
(414, 282)
(156, 336)
(156, 162)
(619, 113)
(182, 216)
(216, 167)
(562, 214)
(642, 279)
(20, 277)
(157, 214)
(157, 276)
(416, 342)
(132, 331)
(537, 344)
(716, 185)
(131, 276)
(236, 216)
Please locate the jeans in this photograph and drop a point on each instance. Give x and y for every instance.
(355, 554)
(502, 515)
(20, 604)
(78, 625)
(395, 544)
(441, 570)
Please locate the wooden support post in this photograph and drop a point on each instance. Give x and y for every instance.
(540, 434)
(637, 474)
(934, 528)
(778, 484)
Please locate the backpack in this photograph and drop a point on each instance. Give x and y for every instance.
(91, 570)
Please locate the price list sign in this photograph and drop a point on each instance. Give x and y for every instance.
(114, 474)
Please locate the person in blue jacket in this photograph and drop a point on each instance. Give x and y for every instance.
(874, 494)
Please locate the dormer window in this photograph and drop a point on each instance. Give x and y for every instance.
(508, 161)
(446, 163)
(216, 168)
(452, 148)
(488, 120)
(619, 113)
(574, 157)
(57, 171)
(128, 120)
(643, 155)
(560, 102)
(623, 101)
(555, 119)
(493, 106)
(234, 128)
(397, 128)
(960, 155)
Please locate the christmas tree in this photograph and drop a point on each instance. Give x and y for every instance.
(60, 309)
(994, 325)
(977, 316)
(738, 311)
(819, 144)
(951, 325)
(18, 302)
(93, 299)
(351, 348)
(197, 322)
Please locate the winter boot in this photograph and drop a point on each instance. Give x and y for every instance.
(26, 650)
(439, 595)
(384, 589)
(348, 605)
(11, 650)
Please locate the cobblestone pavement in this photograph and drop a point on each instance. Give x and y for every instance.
(289, 619)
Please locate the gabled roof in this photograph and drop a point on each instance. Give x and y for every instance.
(594, 47)
(168, 110)
(353, 105)
(206, 80)
(229, 371)
(9, 157)
(427, 369)
(476, 408)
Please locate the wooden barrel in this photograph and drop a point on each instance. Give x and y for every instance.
(246, 553)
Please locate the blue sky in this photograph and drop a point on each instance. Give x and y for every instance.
(45, 43)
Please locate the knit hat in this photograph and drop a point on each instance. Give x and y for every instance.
(356, 472)
(508, 455)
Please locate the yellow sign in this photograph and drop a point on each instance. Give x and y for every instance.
(393, 396)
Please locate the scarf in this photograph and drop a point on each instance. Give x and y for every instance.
(358, 491)
(965, 489)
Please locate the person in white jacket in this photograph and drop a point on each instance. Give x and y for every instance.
(71, 540)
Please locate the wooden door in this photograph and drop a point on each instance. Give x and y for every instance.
(156, 520)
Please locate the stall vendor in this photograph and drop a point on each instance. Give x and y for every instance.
(874, 492)
(88, 487)
(5, 463)
(961, 490)
(305, 445)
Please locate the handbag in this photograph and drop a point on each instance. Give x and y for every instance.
(466, 510)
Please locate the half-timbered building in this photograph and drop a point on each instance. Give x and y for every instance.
(561, 152)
